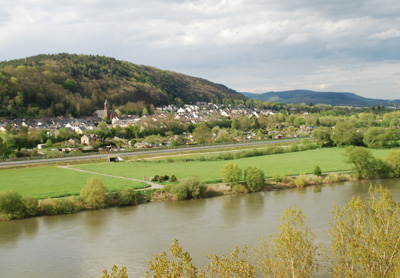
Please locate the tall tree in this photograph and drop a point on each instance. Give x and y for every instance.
(292, 252)
(366, 237)
(202, 134)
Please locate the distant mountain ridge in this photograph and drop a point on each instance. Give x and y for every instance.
(332, 98)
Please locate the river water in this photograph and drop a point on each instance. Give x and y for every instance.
(83, 244)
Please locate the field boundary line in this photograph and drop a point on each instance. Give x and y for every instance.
(152, 184)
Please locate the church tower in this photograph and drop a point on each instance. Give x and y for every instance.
(106, 109)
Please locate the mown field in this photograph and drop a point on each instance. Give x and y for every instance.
(50, 182)
(45, 182)
(288, 163)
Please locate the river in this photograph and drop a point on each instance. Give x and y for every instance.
(83, 244)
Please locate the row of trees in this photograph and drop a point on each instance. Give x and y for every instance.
(345, 134)
(365, 165)
(364, 242)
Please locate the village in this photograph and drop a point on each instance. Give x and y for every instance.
(84, 134)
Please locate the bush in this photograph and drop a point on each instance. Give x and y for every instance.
(31, 206)
(317, 180)
(189, 188)
(239, 189)
(317, 171)
(94, 193)
(278, 177)
(332, 177)
(341, 177)
(301, 180)
(61, 206)
(167, 188)
(231, 173)
(274, 150)
(180, 192)
(173, 178)
(126, 197)
(255, 178)
(217, 190)
(48, 207)
(12, 205)
(294, 147)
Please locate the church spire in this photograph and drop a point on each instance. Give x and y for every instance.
(106, 109)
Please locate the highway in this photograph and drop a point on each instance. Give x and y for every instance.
(137, 153)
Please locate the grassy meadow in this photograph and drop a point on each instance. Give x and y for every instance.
(47, 182)
(329, 159)
(50, 182)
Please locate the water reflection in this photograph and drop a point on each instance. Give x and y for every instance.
(231, 209)
(317, 188)
(95, 222)
(254, 205)
(12, 231)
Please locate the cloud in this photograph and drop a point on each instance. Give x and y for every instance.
(245, 44)
(389, 34)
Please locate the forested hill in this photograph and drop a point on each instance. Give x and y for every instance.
(332, 98)
(77, 85)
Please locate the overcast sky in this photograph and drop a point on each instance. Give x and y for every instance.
(248, 45)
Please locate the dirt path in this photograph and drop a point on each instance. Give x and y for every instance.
(152, 184)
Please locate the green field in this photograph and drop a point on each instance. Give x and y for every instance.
(288, 163)
(44, 182)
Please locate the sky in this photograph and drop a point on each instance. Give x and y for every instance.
(248, 45)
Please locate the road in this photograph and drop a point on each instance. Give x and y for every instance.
(155, 151)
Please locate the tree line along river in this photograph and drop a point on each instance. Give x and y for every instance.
(83, 244)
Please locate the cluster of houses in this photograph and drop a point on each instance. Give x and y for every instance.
(84, 126)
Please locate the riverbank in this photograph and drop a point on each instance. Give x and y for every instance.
(127, 177)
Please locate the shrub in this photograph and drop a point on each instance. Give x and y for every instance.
(278, 177)
(94, 193)
(12, 205)
(126, 197)
(217, 190)
(231, 173)
(274, 150)
(318, 180)
(317, 171)
(167, 188)
(294, 147)
(197, 191)
(180, 192)
(189, 188)
(301, 180)
(173, 178)
(48, 207)
(239, 189)
(331, 178)
(341, 177)
(31, 206)
(61, 206)
(255, 178)
(162, 178)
